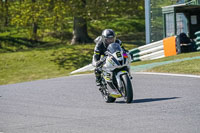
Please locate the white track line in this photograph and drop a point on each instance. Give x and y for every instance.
(78, 75)
(149, 73)
(168, 74)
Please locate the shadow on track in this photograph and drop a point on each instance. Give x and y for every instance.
(153, 99)
(149, 100)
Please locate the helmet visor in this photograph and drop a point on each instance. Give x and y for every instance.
(109, 40)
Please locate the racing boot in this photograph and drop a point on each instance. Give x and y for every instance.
(98, 81)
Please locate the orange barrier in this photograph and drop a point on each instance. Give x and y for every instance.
(169, 46)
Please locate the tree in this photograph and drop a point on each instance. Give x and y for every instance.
(80, 34)
(29, 13)
(4, 12)
(56, 15)
(1, 12)
(35, 25)
(101, 9)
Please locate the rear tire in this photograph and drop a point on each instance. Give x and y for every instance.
(127, 88)
(109, 99)
(106, 96)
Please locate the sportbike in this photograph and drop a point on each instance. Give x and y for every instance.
(116, 77)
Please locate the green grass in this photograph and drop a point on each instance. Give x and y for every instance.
(27, 66)
(183, 67)
(180, 56)
(45, 62)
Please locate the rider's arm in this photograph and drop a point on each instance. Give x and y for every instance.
(96, 56)
(120, 42)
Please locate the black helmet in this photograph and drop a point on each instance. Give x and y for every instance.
(108, 36)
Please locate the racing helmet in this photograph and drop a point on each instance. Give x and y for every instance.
(108, 37)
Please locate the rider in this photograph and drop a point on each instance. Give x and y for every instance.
(102, 42)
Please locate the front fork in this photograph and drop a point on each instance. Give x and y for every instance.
(118, 78)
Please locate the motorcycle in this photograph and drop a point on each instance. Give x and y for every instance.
(116, 77)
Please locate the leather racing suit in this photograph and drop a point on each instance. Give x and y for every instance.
(99, 51)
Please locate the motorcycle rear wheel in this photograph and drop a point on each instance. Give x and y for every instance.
(109, 99)
(127, 86)
(106, 97)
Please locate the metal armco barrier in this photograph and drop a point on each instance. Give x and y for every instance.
(148, 52)
(156, 50)
(83, 69)
(198, 40)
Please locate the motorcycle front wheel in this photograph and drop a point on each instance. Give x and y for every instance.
(127, 88)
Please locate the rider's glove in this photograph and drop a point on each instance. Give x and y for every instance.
(125, 50)
(99, 63)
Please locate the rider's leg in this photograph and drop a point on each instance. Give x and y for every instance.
(98, 76)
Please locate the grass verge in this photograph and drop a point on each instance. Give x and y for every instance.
(183, 67)
(45, 62)
(26, 66)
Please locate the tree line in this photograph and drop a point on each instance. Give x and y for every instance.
(57, 14)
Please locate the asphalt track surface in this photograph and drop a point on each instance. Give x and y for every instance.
(162, 104)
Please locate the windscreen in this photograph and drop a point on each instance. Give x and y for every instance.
(112, 48)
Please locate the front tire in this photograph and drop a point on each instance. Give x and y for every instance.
(127, 86)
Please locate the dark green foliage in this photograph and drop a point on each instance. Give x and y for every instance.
(9, 44)
(57, 15)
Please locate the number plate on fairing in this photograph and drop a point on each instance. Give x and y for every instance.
(119, 54)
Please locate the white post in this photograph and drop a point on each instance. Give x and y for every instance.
(147, 21)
